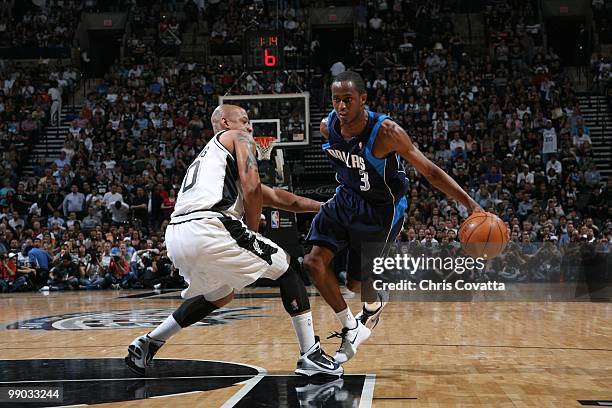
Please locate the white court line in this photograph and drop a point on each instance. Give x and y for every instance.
(128, 379)
(367, 394)
(248, 386)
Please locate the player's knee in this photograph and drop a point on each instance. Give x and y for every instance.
(193, 310)
(314, 266)
(353, 285)
(224, 300)
(293, 293)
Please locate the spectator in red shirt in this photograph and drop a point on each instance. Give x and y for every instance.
(168, 204)
(118, 267)
(9, 282)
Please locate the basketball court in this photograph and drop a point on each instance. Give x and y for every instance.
(422, 354)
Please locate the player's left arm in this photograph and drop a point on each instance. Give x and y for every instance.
(284, 200)
(395, 139)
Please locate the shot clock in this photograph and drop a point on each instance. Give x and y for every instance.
(263, 50)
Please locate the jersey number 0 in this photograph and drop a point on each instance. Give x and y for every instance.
(192, 174)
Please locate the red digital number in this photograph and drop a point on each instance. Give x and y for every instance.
(269, 60)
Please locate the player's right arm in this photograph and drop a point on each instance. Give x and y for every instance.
(249, 178)
(285, 200)
(323, 129)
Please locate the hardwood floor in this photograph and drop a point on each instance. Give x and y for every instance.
(422, 354)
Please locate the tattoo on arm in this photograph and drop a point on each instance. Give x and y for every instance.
(251, 161)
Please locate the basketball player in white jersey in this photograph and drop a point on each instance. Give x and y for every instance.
(217, 253)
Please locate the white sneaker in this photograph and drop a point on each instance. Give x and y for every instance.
(371, 319)
(315, 361)
(351, 339)
(140, 353)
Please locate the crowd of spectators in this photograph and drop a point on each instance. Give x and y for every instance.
(52, 26)
(507, 127)
(505, 124)
(30, 95)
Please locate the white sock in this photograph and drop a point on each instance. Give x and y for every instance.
(166, 329)
(304, 331)
(346, 318)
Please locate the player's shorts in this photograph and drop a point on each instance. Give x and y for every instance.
(218, 254)
(347, 220)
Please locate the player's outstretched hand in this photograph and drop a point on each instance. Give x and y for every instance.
(474, 207)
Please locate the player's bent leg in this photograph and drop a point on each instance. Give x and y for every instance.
(353, 332)
(317, 264)
(313, 360)
(293, 293)
(142, 350)
(195, 309)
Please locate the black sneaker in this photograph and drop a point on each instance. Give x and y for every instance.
(315, 361)
(140, 353)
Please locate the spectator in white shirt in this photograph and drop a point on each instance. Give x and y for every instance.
(525, 175)
(62, 161)
(456, 142)
(380, 82)
(112, 196)
(549, 141)
(580, 137)
(554, 164)
(56, 105)
(375, 22)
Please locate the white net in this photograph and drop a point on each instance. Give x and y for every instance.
(264, 145)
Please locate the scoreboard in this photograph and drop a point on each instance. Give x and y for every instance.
(263, 50)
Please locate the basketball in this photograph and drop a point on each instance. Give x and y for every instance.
(483, 235)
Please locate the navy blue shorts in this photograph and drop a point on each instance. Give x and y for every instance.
(347, 220)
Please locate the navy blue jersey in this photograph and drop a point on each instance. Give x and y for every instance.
(379, 182)
(367, 211)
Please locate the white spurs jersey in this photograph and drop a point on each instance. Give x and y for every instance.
(210, 184)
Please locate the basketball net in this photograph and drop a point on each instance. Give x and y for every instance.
(264, 145)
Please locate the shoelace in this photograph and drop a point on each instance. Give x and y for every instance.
(330, 358)
(341, 335)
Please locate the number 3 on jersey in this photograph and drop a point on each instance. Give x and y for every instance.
(365, 181)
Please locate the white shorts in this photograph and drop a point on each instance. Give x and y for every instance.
(219, 254)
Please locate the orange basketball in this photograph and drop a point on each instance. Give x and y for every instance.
(483, 235)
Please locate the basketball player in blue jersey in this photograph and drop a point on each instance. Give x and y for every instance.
(367, 211)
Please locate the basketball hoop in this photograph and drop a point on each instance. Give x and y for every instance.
(264, 145)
